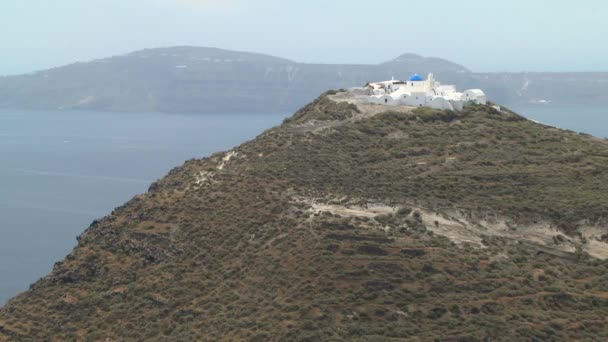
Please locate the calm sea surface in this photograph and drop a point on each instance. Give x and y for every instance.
(591, 119)
(61, 170)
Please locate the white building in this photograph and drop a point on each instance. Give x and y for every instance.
(418, 92)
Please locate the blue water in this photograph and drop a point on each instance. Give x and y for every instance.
(61, 170)
(588, 119)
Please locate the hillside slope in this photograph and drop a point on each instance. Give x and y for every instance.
(197, 79)
(349, 223)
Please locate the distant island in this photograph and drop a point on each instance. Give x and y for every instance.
(349, 222)
(209, 80)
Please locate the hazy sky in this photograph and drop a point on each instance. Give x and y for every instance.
(483, 35)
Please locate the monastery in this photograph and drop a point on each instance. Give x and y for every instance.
(418, 92)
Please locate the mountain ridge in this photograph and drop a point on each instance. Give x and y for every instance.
(199, 80)
(348, 222)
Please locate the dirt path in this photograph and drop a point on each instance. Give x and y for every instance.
(366, 111)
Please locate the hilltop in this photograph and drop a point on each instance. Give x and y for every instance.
(349, 222)
(199, 79)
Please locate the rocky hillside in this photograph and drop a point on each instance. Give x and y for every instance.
(349, 222)
(196, 79)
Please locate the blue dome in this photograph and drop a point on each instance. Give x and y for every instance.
(415, 77)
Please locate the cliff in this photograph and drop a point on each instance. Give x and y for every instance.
(348, 222)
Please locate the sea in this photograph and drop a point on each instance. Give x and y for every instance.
(61, 170)
(586, 119)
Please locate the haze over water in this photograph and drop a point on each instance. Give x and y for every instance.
(61, 170)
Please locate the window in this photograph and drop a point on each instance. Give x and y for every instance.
(385, 100)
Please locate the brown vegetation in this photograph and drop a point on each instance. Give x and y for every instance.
(244, 256)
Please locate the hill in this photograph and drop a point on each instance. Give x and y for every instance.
(196, 79)
(349, 222)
